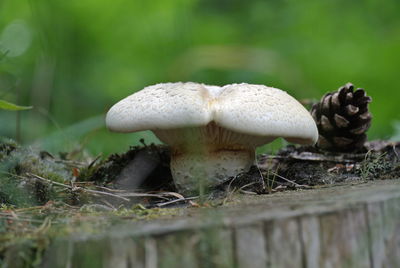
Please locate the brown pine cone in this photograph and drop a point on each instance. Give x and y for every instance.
(343, 119)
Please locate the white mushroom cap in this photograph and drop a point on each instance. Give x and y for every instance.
(249, 109)
(161, 106)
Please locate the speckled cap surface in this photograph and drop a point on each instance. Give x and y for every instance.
(254, 109)
(264, 111)
(161, 106)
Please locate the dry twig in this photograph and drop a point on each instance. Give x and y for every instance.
(290, 181)
(176, 200)
(77, 188)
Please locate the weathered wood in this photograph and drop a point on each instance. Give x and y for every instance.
(284, 240)
(345, 239)
(251, 248)
(123, 253)
(200, 248)
(151, 254)
(216, 248)
(343, 226)
(310, 240)
(101, 252)
(391, 221)
(377, 234)
(178, 250)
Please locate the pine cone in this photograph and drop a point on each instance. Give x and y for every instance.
(343, 119)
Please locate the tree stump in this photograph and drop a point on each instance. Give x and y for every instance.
(337, 226)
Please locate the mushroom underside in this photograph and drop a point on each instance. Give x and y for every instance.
(203, 157)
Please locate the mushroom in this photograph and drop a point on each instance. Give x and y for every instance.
(212, 131)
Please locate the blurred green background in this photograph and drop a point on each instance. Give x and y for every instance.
(73, 59)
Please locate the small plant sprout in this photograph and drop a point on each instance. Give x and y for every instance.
(213, 131)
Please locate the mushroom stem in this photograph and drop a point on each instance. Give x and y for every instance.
(198, 170)
(206, 156)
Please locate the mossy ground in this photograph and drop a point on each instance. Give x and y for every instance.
(44, 196)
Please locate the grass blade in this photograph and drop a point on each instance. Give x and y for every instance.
(5, 105)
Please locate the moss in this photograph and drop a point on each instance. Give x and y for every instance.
(374, 166)
(26, 233)
(12, 193)
(18, 187)
(26, 160)
(6, 147)
(139, 212)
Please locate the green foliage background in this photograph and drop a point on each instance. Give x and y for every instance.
(73, 59)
